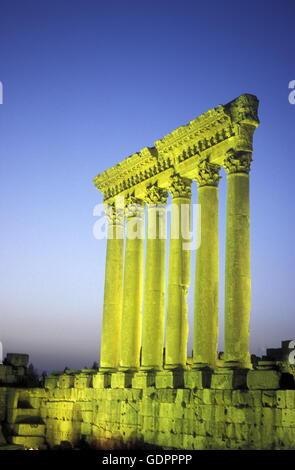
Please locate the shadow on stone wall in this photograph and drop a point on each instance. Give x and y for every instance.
(135, 442)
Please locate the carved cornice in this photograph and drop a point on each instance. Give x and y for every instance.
(133, 206)
(129, 172)
(237, 162)
(155, 195)
(180, 187)
(244, 109)
(219, 126)
(207, 174)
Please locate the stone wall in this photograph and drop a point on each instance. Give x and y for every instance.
(190, 410)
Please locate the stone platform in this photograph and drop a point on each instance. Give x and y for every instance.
(236, 409)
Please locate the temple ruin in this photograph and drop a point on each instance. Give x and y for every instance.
(145, 393)
(192, 154)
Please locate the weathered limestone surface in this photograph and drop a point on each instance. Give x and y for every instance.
(172, 406)
(221, 137)
(237, 265)
(113, 292)
(178, 275)
(132, 286)
(154, 292)
(175, 417)
(207, 270)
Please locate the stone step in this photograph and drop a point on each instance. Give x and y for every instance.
(31, 429)
(29, 442)
(24, 415)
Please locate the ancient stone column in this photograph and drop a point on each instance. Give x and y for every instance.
(113, 290)
(237, 264)
(178, 275)
(154, 282)
(133, 285)
(207, 268)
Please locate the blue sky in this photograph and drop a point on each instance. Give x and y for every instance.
(86, 84)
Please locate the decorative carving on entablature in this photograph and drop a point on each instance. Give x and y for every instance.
(155, 195)
(244, 109)
(133, 206)
(237, 162)
(207, 174)
(212, 133)
(180, 186)
(130, 172)
(127, 173)
(200, 134)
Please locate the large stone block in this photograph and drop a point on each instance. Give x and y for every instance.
(183, 396)
(268, 398)
(16, 359)
(280, 398)
(165, 395)
(288, 417)
(65, 381)
(150, 407)
(29, 429)
(51, 381)
(197, 379)
(83, 380)
(229, 379)
(101, 380)
(263, 379)
(170, 379)
(30, 442)
(243, 398)
(122, 379)
(290, 398)
(204, 396)
(144, 379)
(7, 374)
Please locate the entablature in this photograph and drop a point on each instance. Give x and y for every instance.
(209, 136)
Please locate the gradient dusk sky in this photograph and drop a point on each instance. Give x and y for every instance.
(88, 83)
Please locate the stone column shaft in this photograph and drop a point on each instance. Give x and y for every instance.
(132, 288)
(154, 290)
(113, 293)
(207, 270)
(237, 268)
(178, 276)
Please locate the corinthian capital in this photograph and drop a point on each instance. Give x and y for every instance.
(133, 206)
(207, 173)
(155, 195)
(237, 162)
(114, 214)
(180, 187)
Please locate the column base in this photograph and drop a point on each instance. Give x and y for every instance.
(122, 379)
(108, 369)
(197, 378)
(170, 378)
(229, 378)
(174, 367)
(144, 379)
(102, 380)
(232, 365)
(200, 365)
(128, 369)
(150, 368)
